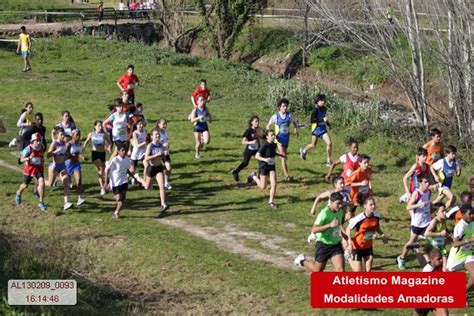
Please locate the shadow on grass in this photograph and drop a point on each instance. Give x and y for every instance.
(206, 210)
(383, 194)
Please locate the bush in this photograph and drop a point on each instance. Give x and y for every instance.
(300, 95)
(261, 41)
(90, 48)
(325, 58)
(173, 59)
(362, 68)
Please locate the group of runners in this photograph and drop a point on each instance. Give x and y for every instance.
(122, 133)
(341, 234)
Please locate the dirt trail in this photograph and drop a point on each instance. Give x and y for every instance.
(9, 166)
(233, 240)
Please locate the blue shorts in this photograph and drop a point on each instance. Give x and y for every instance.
(283, 139)
(199, 128)
(25, 53)
(319, 131)
(58, 167)
(72, 167)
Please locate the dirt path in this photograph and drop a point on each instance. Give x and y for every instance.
(233, 240)
(9, 166)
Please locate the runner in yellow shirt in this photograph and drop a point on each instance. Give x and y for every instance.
(24, 47)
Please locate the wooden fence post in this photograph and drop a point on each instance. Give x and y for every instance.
(115, 18)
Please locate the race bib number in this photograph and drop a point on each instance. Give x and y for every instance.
(121, 131)
(348, 172)
(284, 129)
(62, 151)
(449, 173)
(271, 161)
(68, 131)
(157, 150)
(97, 140)
(370, 235)
(335, 231)
(438, 241)
(435, 156)
(253, 146)
(35, 161)
(364, 189)
(76, 149)
(122, 173)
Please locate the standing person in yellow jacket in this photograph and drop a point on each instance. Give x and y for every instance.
(24, 46)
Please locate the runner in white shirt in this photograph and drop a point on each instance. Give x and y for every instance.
(116, 171)
(138, 141)
(162, 125)
(419, 206)
(119, 120)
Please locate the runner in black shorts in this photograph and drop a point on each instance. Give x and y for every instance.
(162, 125)
(250, 139)
(117, 171)
(366, 226)
(154, 156)
(266, 158)
(328, 233)
(100, 143)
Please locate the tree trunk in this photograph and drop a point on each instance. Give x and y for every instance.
(417, 61)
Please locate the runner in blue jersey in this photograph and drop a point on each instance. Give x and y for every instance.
(154, 155)
(443, 172)
(100, 144)
(57, 168)
(199, 117)
(319, 128)
(282, 121)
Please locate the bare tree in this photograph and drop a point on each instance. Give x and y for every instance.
(364, 23)
(171, 17)
(224, 20)
(451, 23)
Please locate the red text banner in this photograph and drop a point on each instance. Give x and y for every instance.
(388, 290)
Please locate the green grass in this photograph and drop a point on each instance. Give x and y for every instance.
(259, 41)
(363, 68)
(26, 5)
(152, 266)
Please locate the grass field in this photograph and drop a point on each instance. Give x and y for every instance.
(139, 264)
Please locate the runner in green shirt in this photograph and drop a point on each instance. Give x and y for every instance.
(327, 232)
(461, 254)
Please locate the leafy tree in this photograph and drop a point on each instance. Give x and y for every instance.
(223, 21)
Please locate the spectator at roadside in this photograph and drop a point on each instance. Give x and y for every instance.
(133, 7)
(121, 8)
(100, 8)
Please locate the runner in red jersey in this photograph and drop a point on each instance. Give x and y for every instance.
(32, 156)
(350, 162)
(203, 91)
(410, 181)
(128, 82)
